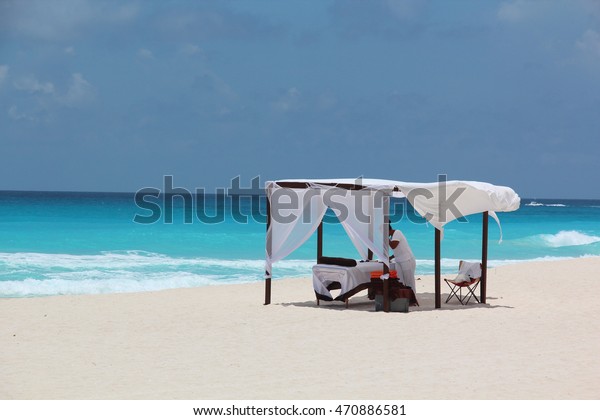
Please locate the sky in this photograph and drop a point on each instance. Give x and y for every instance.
(99, 95)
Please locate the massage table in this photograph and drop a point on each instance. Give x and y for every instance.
(350, 280)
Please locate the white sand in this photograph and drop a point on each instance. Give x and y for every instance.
(538, 338)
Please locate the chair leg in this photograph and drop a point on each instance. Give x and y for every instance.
(347, 302)
(452, 292)
(471, 293)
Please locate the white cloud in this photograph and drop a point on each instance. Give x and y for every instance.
(34, 116)
(3, 73)
(326, 101)
(45, 100)
(210, 22)
(589, 43)
(404, 9)
(388, 18)
(211, 82)
(592, 7)
(513, 11)
(289, 101)
(32, 85)
(80, 91)
(145, 54)
(63, 18)
(122, 13)
(69, 50)
(14, 114)
(216, 96)
(191, 49)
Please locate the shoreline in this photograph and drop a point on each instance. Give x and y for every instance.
(447, 270)
(535, 339)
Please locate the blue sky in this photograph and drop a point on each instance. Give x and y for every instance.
(112, 95)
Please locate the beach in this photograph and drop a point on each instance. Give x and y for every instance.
(538, 337)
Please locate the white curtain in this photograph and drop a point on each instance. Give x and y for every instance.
(295, 215)
(362, 218)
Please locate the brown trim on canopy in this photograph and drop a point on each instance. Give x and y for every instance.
(304, 185)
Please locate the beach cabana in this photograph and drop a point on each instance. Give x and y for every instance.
(296, 207)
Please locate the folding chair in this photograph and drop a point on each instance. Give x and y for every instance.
(465, 279)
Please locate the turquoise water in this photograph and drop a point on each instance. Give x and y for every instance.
(74, 243)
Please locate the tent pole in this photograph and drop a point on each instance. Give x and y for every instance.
(371, 211)
(386, 244)
(484, 257)
(320, 242)
(438, 269)
(268, 275)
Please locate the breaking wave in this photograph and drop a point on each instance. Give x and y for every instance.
(568, 238)
(37, 274)
(536, 204)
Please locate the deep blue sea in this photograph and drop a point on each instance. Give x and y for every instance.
(74, 243)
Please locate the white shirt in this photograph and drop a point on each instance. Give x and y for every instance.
(402, 252)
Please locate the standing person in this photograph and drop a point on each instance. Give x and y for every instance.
(403, 257)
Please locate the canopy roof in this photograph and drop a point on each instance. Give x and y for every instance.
(438, 202)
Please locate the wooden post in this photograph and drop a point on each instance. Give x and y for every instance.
(386, 291)
(438, 269)
(371, 217)
(386, 244)
(268, 275)
(484, 257)
(320, 242)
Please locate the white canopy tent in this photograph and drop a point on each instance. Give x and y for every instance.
(296, 207)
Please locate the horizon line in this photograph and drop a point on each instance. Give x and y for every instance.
(212, 193)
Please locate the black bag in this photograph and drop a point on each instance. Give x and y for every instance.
(343, 262)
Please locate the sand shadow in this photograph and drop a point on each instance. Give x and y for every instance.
(426, 303)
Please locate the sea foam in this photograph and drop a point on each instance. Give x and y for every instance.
(38, 274)
(536, 204)
(569, 238)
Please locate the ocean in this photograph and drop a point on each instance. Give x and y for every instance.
(54, 243)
